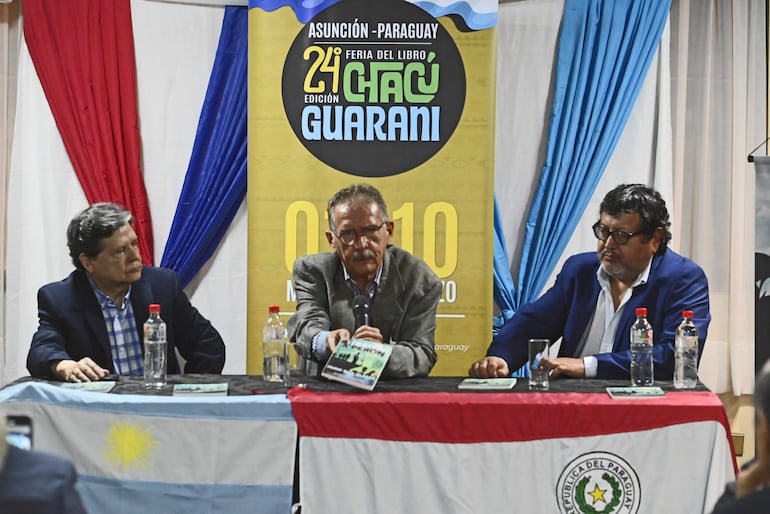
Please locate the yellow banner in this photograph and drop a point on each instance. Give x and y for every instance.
(383, 93)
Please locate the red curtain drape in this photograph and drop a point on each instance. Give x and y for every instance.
(83, 52)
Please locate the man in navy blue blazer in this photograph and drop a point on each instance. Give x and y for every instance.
(592, 304)
(34, 482)
(750, 492)
(91, 322)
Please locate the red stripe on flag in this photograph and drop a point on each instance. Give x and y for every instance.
(492, 417)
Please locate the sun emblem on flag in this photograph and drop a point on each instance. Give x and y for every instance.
(129, 446)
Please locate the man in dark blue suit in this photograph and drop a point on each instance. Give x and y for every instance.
(90, 322)
(750, 492)
(34, 482)
(592, 304)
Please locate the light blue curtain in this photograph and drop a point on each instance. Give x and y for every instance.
(215, 183)
(504, 290)
(605, 49)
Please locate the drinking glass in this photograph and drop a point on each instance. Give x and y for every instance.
(538, 372)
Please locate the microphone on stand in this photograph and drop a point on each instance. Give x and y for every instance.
(361, 310)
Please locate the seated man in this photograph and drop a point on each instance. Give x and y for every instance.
(35, 482)
(401, 289)
(592, 304)
(750, 493)
(91, 322)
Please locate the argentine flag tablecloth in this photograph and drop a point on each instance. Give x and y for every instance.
(164, 454)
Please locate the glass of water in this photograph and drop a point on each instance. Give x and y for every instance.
(538, 371)
(296, 369)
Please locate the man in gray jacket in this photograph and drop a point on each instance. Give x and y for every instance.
(400, 291)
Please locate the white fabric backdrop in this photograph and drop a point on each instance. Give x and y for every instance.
(711, 199)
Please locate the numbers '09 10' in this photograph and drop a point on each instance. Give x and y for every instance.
(303, 229)
(448, 291)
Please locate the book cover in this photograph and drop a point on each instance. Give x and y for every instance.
(359, 363)
(635, 392)
(487, 383)
(104, 386)
(218, 389)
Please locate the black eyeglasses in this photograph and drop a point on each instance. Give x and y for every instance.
(621, 237)
(349, 236)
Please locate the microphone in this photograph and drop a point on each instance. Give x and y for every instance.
(361, 310)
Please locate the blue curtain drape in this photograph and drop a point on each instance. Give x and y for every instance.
(605, 49)
(215, 183)
(504, 290)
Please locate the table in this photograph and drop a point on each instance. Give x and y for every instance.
(573, 449)
(411, 446)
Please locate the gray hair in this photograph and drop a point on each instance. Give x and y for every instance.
(88, 230)
(357, 194)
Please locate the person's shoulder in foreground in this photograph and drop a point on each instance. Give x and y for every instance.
(90, 322)
(34, 482)
(750, 493)
(591, 305)
(399, 292)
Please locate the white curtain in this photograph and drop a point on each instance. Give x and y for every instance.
(701, 172)
(718, 70)
(10, 36)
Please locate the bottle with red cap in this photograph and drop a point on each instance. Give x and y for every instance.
(154, 350)
(686, 353)
(641, 350)
(274, 347)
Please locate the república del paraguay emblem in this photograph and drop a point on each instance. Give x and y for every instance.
(598, 483)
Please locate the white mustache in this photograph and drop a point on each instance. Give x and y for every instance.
(363, 255)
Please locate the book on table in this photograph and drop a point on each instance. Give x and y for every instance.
(358, 363)
(635, 392)
(487, 383)
(218, 389)
(104, 386)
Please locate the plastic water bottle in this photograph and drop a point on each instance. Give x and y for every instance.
(154, 350)
(274, 347)
(686, 353)
(641, 350)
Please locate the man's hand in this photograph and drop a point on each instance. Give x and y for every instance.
(335, 337)
(370, 333)
(750, 479)
(489, 367)
(566, 367)
(84, 370)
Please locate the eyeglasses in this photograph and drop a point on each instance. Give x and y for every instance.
(349, 236)
(620, 237)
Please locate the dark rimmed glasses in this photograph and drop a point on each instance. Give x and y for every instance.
(349, 236)
(620, 237)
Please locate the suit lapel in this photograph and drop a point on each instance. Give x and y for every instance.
(387, 305)
(341, 310)
(141, 298)
(638, 299)
(92, 313)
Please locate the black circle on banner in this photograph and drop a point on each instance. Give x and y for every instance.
(373, 88)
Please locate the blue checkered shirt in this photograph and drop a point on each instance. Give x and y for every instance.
(126, 346)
